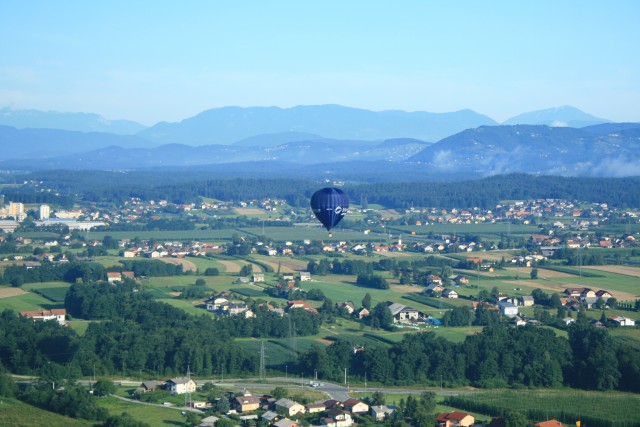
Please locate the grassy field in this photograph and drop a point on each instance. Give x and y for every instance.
(18, 414)
(150, 414)
(53, 291)
(27, 302)
(621, 408)
(298, 234)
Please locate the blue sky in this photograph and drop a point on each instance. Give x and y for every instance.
(156, 61)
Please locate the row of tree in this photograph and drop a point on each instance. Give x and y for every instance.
(500, 356)
(114, 187)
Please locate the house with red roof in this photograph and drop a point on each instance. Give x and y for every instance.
(455, 419)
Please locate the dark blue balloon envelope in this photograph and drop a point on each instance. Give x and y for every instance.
(329, 205)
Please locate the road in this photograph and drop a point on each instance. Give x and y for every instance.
(332, 390)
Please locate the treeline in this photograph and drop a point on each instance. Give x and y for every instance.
(16, 275)
(113, 187)
(418, 268)
(500, 356)
(74, 271)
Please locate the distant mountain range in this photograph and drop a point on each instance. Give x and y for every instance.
(81, 122)
(318, 139)
(564, 116)
(491, 150)
(231, 124)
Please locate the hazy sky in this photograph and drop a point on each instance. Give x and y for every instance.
(168, 60)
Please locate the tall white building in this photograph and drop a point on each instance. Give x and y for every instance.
(16, 210)
(45, 211)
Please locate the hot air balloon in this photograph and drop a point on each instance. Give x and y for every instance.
(329, 205)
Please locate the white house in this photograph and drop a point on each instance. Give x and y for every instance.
(449, 293)
(622, 321)
(181, 385)
(57, 314)
(508, 309)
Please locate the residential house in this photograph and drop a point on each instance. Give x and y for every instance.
(149, 386)
(113, 276)
(361, 313)
(455, 419)
(432, 278)
(568, 321)
(508, 309)
(402, 313)
(449, 293)
(217, 304)
(237, 307)
(288, 407)
(459, 279)
(526, 301)
(382, 412)
(246, 403)
(603, 294)
(287, 277)
(181, 385)
(622, 321)
(298, 304)
(574, 292)
(286, 423)
(433, 287)
(305, 276)
(312, 408)
(270, 416)
(209, 421)
(258, 277)
(57, 314)
(337, 418)
(355, 406)
(588, 293)
(347, 305)
(550, 423)
(128, 275)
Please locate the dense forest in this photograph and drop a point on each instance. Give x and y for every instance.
(112, 187)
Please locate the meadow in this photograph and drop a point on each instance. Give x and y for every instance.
(620, 409)
(18, 414)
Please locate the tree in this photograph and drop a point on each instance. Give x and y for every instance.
(514, 418)
(123, 420)
(381, 316)
(7, 385)
(246, 270)
(104, 388)
(612, 302)
(200, 282)
(222, 405)
(534, 274)
(378, 398)
(366, 301)
(212, 271)
(280, 392)
(192, 419)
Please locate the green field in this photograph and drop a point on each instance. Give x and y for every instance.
(27, 302)
(150, 414)
(15, 413)
(621, 408)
